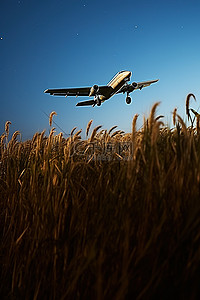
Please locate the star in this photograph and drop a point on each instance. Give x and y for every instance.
(1, 38)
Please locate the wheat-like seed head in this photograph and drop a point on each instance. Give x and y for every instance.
(3, 136)
(60, 137)
(7, 125)
(133, 133)
(101, 133)
(72, 131)
(15, 134)
(88, 127)
(40, 138)
(152, 114)
(77, 135)
(112, 128)
(174, 116)
(159, 117)
(134, 125)
(184, 128)
(188, 103)
(194, 112)
(94, 132)
(52, 132)
(197, 123)
(35, 137)
(116, 133)
(51, 117)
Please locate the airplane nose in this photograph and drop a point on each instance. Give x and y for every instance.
(128, 75)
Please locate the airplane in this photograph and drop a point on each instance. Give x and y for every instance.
(118, 84)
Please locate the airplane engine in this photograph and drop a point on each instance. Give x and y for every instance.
(131, 87)
(134, 84)
(94, 90)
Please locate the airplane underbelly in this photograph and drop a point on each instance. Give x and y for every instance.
(117, 86)
(113, 92)
(118, 82)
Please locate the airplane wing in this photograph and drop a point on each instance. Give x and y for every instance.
(83, 91)
(140, 85)
(135, 86)
(69, 92)
(85, 103)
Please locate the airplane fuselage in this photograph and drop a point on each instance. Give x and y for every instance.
(116, 83)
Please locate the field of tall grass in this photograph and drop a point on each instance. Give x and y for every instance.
(112, 216)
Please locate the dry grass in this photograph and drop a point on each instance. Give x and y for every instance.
(88, 127)
(123, 227)
(53, 113)
(7, 125)
(187, 105)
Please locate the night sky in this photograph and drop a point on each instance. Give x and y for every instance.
(57, 44)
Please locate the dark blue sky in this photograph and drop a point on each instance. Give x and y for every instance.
(53, 44)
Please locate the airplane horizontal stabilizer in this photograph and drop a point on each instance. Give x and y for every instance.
(85, 103)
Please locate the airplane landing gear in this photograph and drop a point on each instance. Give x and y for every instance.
(128, 100)
(98, 101)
